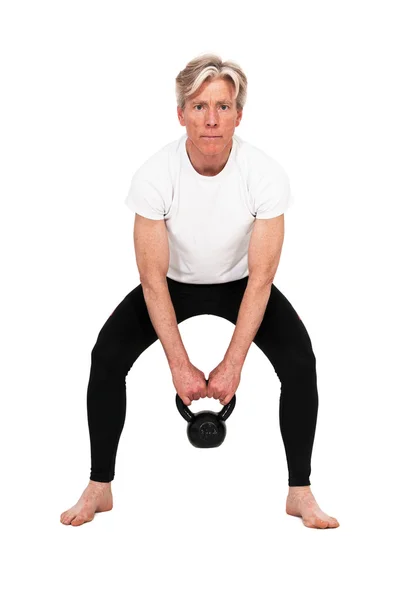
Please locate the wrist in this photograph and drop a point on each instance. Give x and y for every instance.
(234, 360)
(178, 363)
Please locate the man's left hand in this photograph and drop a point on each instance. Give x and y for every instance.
(223, 382)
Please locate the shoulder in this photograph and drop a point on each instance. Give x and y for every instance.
(267, 181)
(159, 165)
(259, 163)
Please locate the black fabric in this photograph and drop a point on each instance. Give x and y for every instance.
(128, 332)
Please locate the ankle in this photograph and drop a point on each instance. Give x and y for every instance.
(100, 484)
(298, 489)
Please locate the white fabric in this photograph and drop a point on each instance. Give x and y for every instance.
(209, 220)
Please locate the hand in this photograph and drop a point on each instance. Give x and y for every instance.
(189, 381)
(223, 382)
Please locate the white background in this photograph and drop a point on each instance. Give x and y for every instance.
(88, 94)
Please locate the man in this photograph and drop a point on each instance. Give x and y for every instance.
(209, 229)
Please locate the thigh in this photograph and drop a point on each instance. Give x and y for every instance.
(283, 337)
(129, 331)
(122, 339)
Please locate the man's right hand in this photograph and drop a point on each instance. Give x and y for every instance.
(190, 383)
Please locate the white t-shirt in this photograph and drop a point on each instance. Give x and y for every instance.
(209, 220)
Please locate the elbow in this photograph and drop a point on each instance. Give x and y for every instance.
(153, 281)
(261, 280)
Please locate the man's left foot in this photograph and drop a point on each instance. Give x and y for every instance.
(300, 502)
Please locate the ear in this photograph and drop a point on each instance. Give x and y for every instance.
(180, 115)
(239, 117)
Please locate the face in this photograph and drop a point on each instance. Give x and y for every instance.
(211, 112)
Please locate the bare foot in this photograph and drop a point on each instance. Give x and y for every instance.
(300, 502)
(97, 497)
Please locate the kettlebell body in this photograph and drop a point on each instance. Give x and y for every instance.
(205, 429)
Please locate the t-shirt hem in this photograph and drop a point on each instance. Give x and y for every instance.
(142, 213)
(270, 215)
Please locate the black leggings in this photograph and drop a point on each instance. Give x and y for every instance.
(282, 337)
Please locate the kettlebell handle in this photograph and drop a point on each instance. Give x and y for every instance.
(188, 415)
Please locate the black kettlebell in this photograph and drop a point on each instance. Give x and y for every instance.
(206, 429)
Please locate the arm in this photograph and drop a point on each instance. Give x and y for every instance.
(264, 253)
(152, 258)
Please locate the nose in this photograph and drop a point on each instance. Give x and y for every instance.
(211, 118)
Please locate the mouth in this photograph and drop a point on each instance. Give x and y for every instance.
(211, 137)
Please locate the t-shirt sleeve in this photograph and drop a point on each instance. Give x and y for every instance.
(272, 193)
(145, 199)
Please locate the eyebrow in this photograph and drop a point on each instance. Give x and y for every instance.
(219, 102)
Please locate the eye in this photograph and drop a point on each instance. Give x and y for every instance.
(221, 106)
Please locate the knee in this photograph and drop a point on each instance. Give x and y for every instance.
(106, 356)
(298, 367)
(306, 360)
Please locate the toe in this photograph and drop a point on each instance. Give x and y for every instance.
(322, 524)
(81, 518)
(78, 520)
(310, 524)
(316, 523)
(333, 522)
(68, 515)
(68, 518)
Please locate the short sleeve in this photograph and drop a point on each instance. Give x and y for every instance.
(273, 194)
(145, 199)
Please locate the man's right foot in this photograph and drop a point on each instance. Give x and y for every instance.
(97, 497)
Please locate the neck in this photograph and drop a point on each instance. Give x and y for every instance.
(205, 164)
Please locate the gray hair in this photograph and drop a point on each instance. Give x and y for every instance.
(207, 67)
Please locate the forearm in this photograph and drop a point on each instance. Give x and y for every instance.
(251, 313)
(163, 318)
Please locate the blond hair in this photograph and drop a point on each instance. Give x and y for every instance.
(207, 67)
